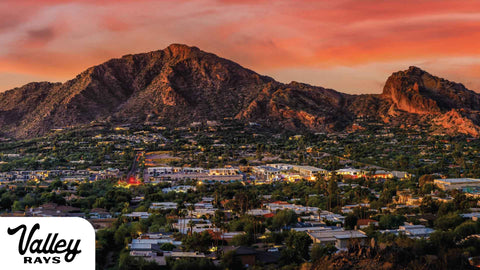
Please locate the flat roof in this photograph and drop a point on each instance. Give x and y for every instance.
(311, 168)
(329, 235)
(458, 180)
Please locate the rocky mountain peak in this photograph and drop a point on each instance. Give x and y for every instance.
(182, 84)
(415, 71)
(417, 91)
(181, 50)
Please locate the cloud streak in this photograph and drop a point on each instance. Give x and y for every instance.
(319, 42)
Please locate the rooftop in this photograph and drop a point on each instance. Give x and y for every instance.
(458, 180)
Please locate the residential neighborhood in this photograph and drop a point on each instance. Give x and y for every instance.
(194, 196)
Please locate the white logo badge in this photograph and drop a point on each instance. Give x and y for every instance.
(47, 243)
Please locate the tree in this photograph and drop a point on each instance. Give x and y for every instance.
(390, 221)
(428, 205)
(449, 221)
(192, 264)
(403, 162)
(7, 200)
(17, 206)
(319, 251)
(197, 241)
(242, 240)
(167, 247)
(300, 243)
(230, 261)
(350, 222)
(127, 262)
(283, 218)
(424, 179)
(28, 200)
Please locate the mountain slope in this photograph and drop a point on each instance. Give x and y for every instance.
(427, 99)
(179, 83)
(182, 84)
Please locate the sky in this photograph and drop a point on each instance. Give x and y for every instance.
(348, 45)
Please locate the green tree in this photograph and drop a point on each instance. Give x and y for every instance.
(350, 222)
(197, 241)
(447, 222)
(390, 221)
(231, 261)
(300, 243)
(284, 218)
(319, 251)
(167, 247)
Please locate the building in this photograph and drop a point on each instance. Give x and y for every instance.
(310, 172)
(299, 209)
(137, 215)
(401, 175)
(457, 183)
(266, 173)
(363, 223)
(307, 172)
(179, 189)
(164, 206)
(223, 171)
(350, 172)
(411, 231)
(191, 225)
(339, 238)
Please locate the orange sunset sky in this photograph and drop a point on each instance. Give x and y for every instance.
(350, 46)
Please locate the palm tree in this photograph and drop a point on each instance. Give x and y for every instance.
(190, 225)
(218, 222)
(181, 215)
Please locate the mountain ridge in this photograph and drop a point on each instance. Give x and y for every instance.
(182, 84)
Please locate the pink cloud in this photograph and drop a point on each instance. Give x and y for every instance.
(60, 38)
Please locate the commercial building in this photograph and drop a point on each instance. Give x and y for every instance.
(457, 183)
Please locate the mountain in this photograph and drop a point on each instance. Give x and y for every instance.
(431, 100)
(182, 84)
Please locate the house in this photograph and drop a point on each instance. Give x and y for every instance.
(401, 175)
(224, 236)
(152, 239)
(179, 189)
(327, 216)
(247, 255)
(382, 174)
(341, 239)
(198, 225)
(457, 183)
(164, 206)
(473, 216)
(350, 172)
(178, 254)
(280, 205)
(363, 223)
(411, 231)
(137, 215)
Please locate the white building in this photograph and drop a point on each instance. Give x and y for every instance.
(457, 183)
(339, 238)
(164, 206)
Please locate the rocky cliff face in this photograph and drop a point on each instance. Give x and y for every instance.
(182, 84)
(177, 85)
(434, 100)
(298, 106)
(416, 91)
